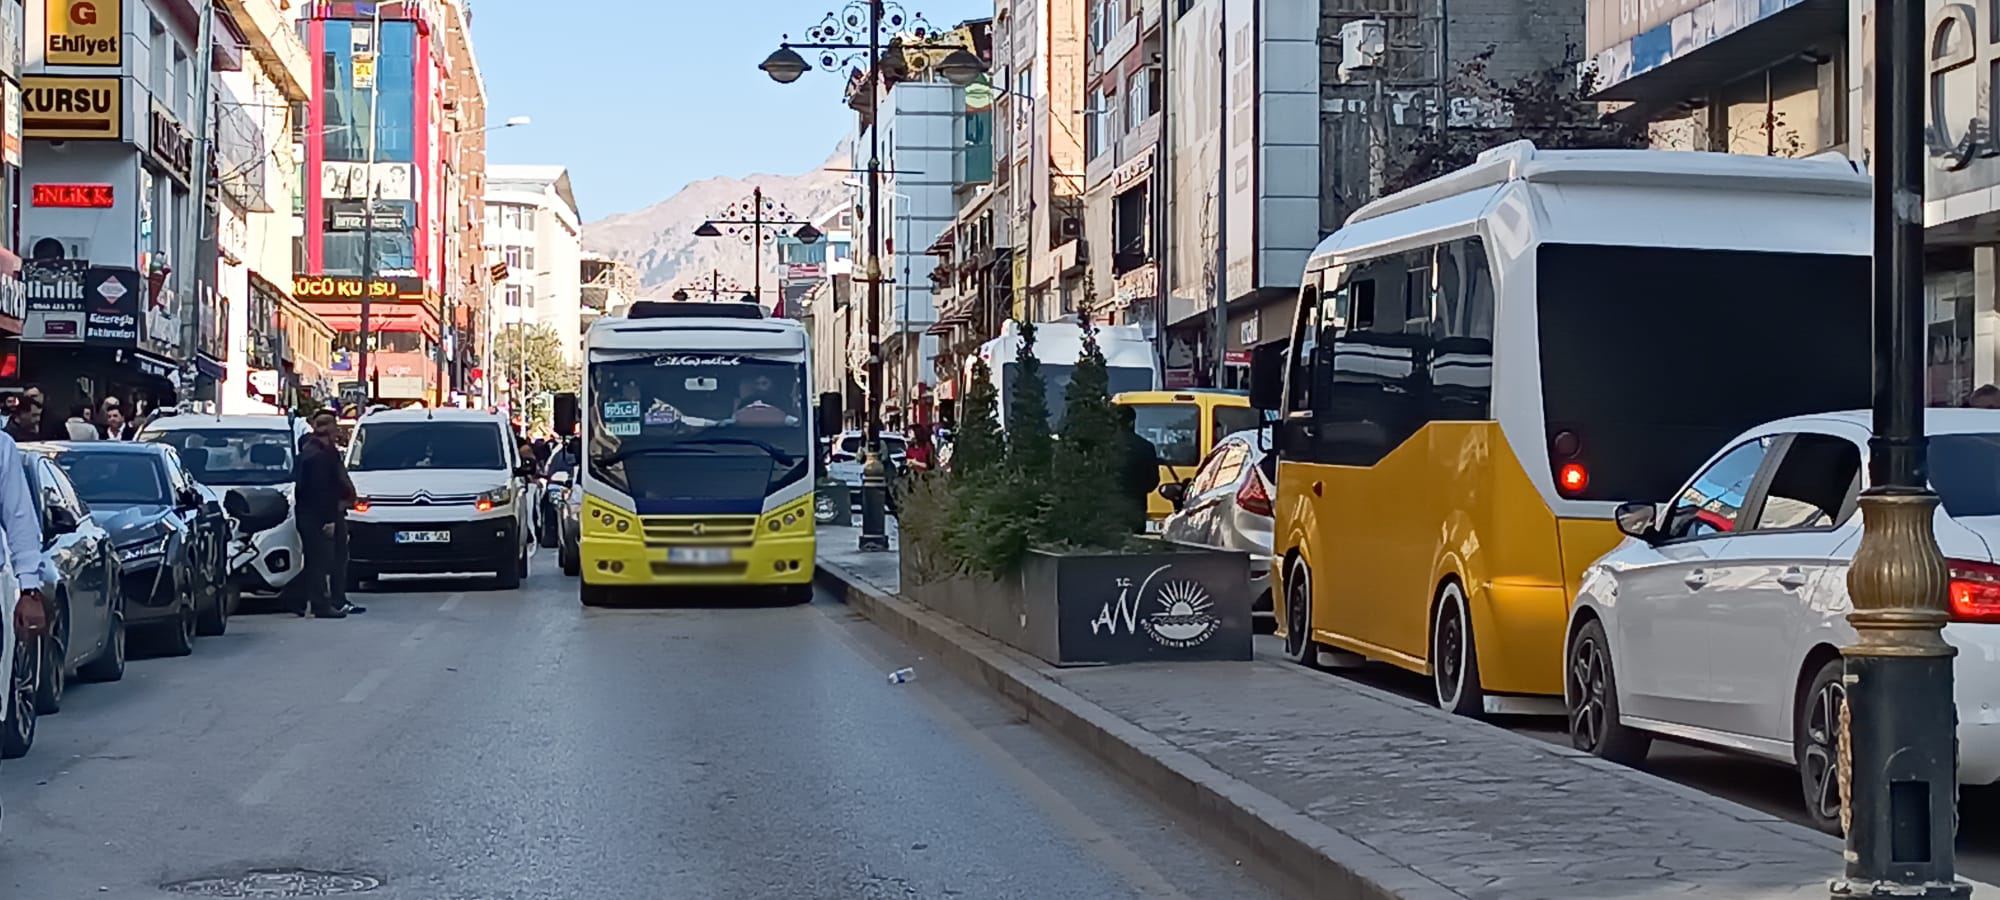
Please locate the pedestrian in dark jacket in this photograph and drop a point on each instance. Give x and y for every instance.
(323, 493)
(1140, 475)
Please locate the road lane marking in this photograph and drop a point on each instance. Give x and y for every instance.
(1092, 836)
(418, 634)
(274, 778)
(368, 685)
(451, 602)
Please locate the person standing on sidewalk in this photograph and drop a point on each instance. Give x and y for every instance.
(1139, 475)
(23, 531)
(323, 493)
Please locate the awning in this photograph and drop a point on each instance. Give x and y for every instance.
(1714, 43)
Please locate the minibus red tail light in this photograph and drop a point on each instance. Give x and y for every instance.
(1975, 591)
(1572, 479)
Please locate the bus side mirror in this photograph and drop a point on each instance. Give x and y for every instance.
(565, 414)
(1267, 380)
(829, 414)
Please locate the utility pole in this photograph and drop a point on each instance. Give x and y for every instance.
(1163, 180)
(191, 239)
(368, 201)
(1222, 216)
(874, 487)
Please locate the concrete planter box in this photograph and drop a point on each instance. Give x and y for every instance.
(1168, 603)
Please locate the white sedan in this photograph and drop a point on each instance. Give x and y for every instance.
(1720, 619)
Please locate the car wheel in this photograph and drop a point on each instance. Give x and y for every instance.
(1590, 692)
(177, 637)
(1816, 745)
(110, 663)
(507, 571)
(571, 565)
(18, 734)
(214, 621)
(547, 532)
(54, 680)
(1454, 657)
(1299, 645)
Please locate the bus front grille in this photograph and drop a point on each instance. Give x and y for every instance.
(682, 530)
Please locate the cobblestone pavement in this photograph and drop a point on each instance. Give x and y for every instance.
(1476, 810)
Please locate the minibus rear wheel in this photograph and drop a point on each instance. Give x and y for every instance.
(1299, 644)
(1454, 658)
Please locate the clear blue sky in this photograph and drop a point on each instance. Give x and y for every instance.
(641, 97)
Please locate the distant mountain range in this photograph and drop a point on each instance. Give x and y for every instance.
(659, 240)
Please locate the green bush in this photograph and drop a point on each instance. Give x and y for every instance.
(1087, 505)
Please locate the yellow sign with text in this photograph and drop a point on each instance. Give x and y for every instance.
(72, 107)
(84, 33)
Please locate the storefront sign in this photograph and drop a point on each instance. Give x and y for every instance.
(804, 272)
(349, 288)
(1236, 357)
(171, 145)
(352, 215)
(54, 301)
(1134, 170)
(72, 107)
(1246, 330)
(10, 130)
(73, 196)
(364, 70)
(11, 29)
(13, 296)
(111, 306)
(83, 33)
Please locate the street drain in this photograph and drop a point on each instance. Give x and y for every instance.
(277, 883)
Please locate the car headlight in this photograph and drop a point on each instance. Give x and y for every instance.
(134, 552)
(500, 496)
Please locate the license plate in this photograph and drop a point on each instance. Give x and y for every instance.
(423, 537)
(1153, 526)
(698, 556)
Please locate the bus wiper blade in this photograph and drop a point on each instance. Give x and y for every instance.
(775, 453)
(612, 459)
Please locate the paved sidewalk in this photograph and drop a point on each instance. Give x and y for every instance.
(1397, 799)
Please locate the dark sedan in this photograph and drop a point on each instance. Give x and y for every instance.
(80, 578)
(167, 532)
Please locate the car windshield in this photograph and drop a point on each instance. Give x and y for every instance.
(232, 456)
(1174, 429)
(850, 446)
(116, 479)
(428, 444)
(690, 427)
(1965, 472)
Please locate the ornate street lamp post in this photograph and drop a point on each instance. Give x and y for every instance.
(1899, 759)
(748, 220)
(839, 42)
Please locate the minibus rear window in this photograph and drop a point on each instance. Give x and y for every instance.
(1653, 357)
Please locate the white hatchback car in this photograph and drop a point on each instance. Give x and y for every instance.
(1720, 620)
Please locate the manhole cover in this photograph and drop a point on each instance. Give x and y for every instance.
(277, 883)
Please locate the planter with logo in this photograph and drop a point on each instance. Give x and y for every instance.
(1167, 603)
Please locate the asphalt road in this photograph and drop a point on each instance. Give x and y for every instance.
(456, 743)
(1756, 783)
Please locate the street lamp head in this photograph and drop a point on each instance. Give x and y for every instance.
(961, 68)
(680, 296)
(518, 121)
(708, 229)
(784, 65)
(807, 234)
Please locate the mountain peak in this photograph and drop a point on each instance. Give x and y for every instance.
(659, 240)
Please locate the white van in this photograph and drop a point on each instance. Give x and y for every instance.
(1128, 359)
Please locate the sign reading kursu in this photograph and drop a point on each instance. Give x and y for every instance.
(72, 107)
(83, 33)
(348, 288)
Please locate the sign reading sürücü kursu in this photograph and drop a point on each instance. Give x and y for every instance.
(72, 107)
(348, 288)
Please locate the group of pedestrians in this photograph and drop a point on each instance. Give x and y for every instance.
(27, 419)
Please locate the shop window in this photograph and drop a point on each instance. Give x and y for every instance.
(1129, 226)
(1948, 298)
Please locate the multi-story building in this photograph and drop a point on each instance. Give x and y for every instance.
(923, 120)
(532, 228)
(803, 266)
(1039, 60)
(833, 320)
(394, 79)
(108, 102)
(257, 176)
(1786, 79)
(13, 35)
(1125, 84)
(608, 286)
(467, 278)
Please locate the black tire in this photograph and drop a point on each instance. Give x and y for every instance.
(54, 680)
(797, 594)
(109, 664)
(571, 565)
(1590, 696)
(17, 732)
(176, 638)
(214, 621)
(546, 534)
(592, 594)
(507, 571)
(1454, 655)
(1816, 745)
(1299, 645)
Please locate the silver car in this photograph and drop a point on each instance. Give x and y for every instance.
(1227, 504)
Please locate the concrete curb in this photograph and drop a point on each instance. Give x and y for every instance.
(1331, 863)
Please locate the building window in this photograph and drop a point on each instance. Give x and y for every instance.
(513, 257)
(528, 296)
(1096, 138)
(183, 87)
(159, 59)
(513, 295)
(528, 256)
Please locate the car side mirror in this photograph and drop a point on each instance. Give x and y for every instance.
(1176, 493)
(1638, 520)
(256, 510)
(559, 478)
(60, 521)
